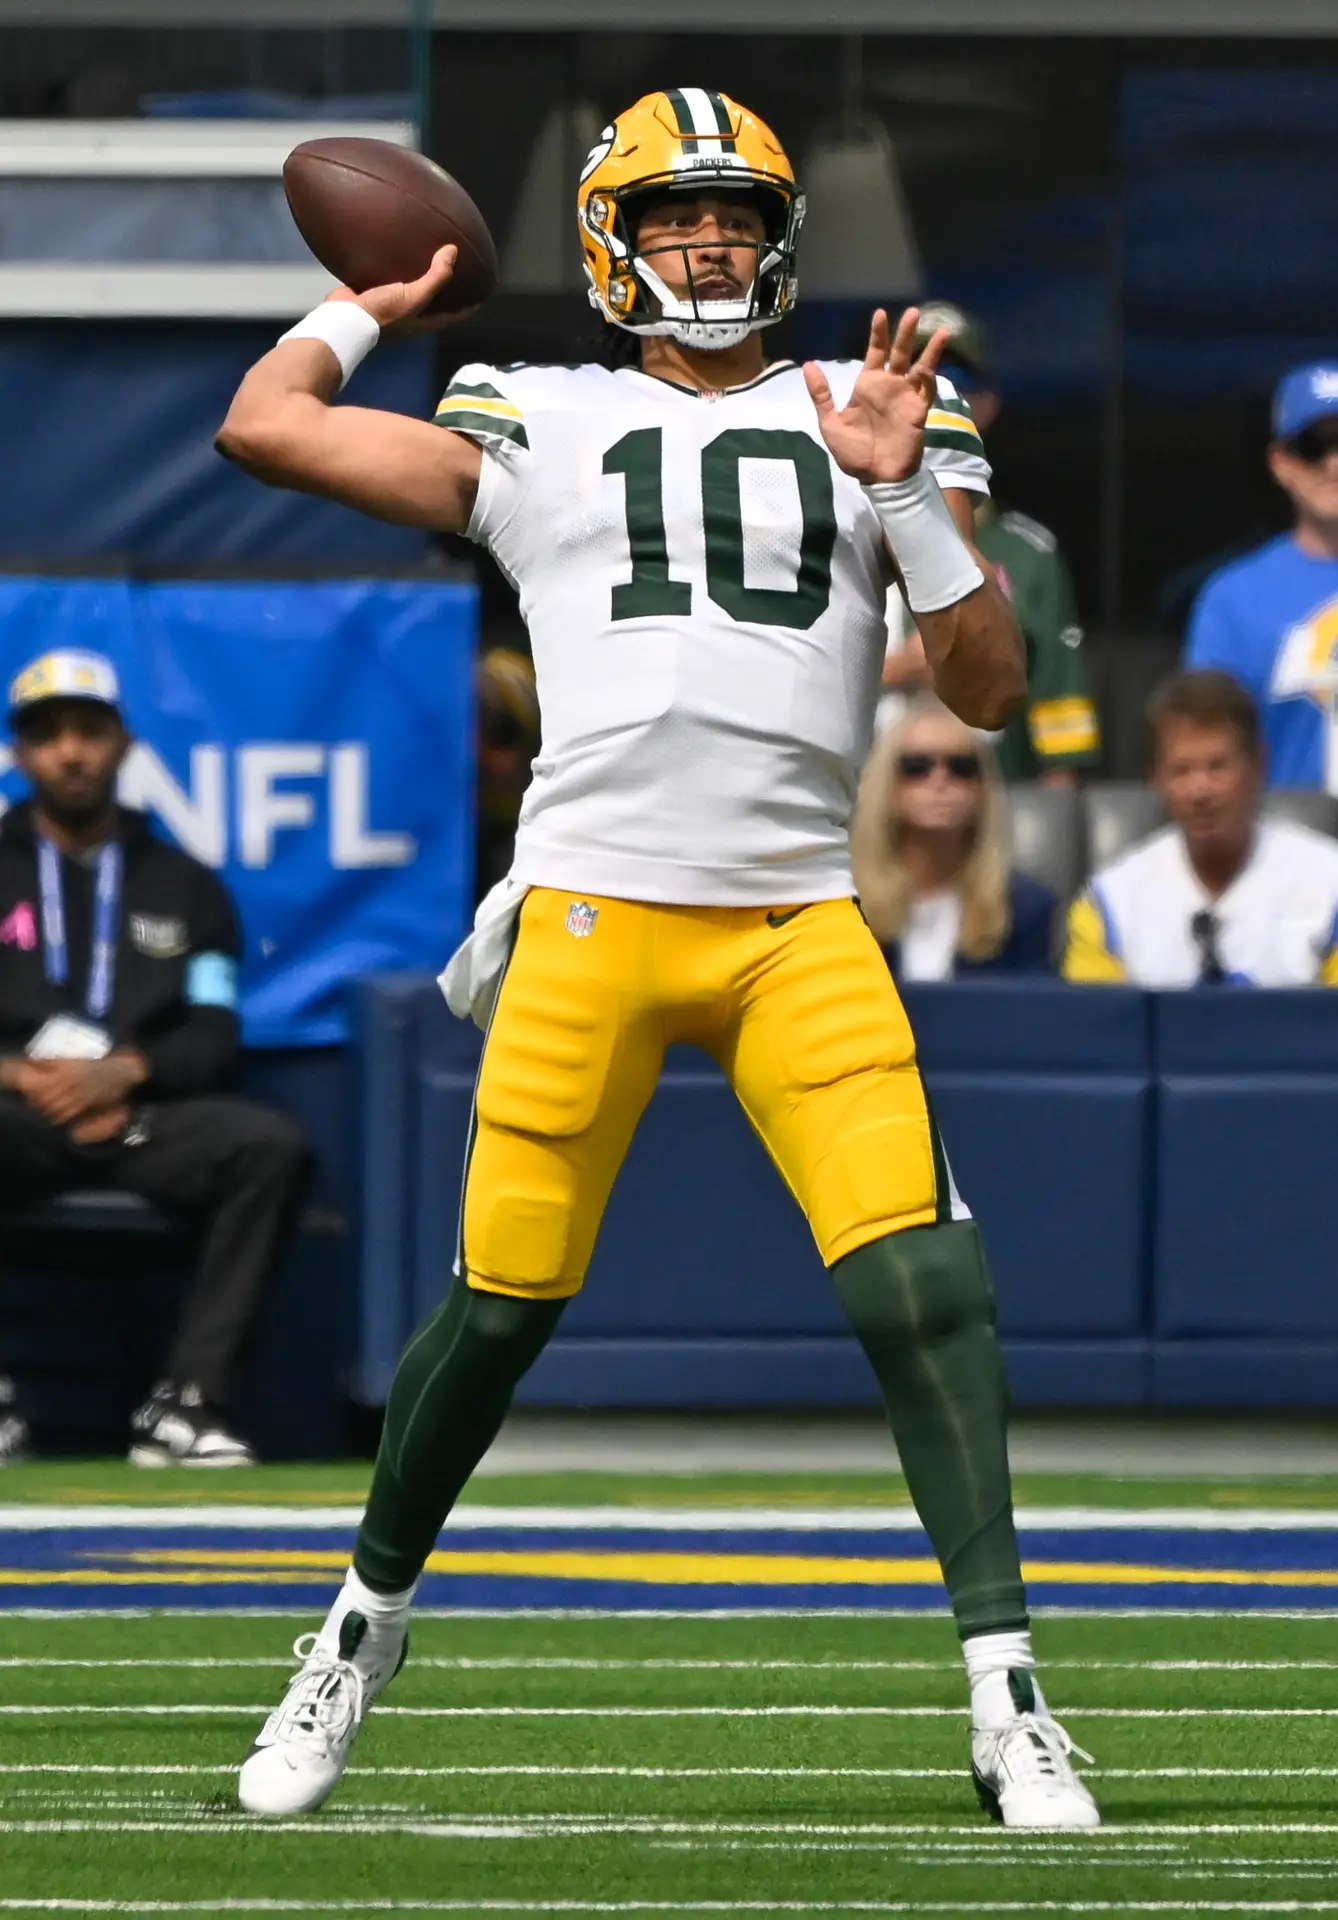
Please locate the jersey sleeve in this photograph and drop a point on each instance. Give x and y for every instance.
(482, 404)
(1214, 639)
(954, 451)
(1061, 718)
(1091, 956)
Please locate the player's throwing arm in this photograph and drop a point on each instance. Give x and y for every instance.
(971, 639)
(282, 428)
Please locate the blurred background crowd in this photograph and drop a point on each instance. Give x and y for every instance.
(1130, 242)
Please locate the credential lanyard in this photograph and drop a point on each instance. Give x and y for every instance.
(106, 925)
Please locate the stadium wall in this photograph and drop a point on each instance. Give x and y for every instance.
(1152, 1174)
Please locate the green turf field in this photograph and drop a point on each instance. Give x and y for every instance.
(345, 1484)
(535, 1763)
(803, 1765)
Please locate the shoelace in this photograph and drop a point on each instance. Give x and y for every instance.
(1038, 1750)
(324, 1699)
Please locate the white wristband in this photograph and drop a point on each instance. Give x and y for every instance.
(347, 329)
(934, 561)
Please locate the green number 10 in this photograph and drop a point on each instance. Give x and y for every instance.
(639, 455)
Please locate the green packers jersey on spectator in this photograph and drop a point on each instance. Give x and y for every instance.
(1059, 727)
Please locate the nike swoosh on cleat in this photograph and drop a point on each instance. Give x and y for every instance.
(775, 919)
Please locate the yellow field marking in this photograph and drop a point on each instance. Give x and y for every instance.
(187, 1565)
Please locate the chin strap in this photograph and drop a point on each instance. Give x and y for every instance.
(710, 336)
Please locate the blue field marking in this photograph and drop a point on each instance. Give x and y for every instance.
(179, 1563)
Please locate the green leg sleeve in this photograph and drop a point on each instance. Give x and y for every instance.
(449, 1397)
(923, 1308)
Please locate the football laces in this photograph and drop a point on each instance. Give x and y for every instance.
(1037, 1751)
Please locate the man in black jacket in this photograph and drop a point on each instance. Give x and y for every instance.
(118, 1030)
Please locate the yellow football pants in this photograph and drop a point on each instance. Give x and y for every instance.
(798, 1007)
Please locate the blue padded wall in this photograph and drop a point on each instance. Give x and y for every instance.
(706, 1287)
(1042, 1095)
(1245, 1166)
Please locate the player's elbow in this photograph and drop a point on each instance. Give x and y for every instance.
(263, 437)
(999, 701)
(990, 695)
(248, 441)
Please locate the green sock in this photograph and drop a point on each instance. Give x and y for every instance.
(447, 1402)
(923, 1308)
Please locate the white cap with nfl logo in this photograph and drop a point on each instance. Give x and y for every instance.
(66, 674)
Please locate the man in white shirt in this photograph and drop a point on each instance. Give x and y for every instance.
(1219, 897)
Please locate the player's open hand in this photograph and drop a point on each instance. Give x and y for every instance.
(398, 308)
(880, 433)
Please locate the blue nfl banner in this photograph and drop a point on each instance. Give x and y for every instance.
(312, 742)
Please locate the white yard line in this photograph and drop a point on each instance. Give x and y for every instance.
(1024, 1907)
(1100, 1842)
(1324, 1611)
(279, 1519)
(467, 1663)
(724, 1711)
(130, 1769)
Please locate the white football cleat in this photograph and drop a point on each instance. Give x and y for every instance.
(1023, 1777)
(302, 1750)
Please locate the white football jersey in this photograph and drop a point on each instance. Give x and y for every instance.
(1275, 926)
(704, 591)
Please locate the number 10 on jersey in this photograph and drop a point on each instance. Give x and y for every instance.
(651, 592)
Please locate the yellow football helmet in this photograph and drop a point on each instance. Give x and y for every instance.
(686, 138)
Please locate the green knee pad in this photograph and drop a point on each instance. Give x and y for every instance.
(448, 1400)
(922, 1307)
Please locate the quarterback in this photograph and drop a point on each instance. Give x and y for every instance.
(702, 542)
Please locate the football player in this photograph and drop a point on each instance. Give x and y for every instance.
(702, 542)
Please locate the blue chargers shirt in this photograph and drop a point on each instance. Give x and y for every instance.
(1271, 621)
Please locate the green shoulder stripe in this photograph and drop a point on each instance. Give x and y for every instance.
(460, 389)
(947, 438)
(483, 426)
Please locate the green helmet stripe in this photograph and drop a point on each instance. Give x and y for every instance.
(721, 112)
(683, 115)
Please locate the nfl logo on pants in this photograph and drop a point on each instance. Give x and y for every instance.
(581, 918)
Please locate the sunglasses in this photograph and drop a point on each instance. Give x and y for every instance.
(1313, 445)
(919, 766)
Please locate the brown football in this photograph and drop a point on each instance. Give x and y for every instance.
(373, 213)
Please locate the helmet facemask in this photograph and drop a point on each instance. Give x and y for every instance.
(639, 299)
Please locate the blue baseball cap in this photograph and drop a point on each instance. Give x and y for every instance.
(1305, 395)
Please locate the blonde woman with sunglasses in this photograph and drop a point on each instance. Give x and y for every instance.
(930, 848)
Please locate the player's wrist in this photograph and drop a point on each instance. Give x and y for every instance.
(936, 566)
(345, 327)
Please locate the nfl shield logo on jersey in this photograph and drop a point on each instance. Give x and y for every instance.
(581, 918)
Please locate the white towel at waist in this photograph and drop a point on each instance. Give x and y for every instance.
(473, 974)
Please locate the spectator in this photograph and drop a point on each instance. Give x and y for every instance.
(1220, 897)
(930, 850)
(1271, 619)
(1056, 735)
(118, 1028)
